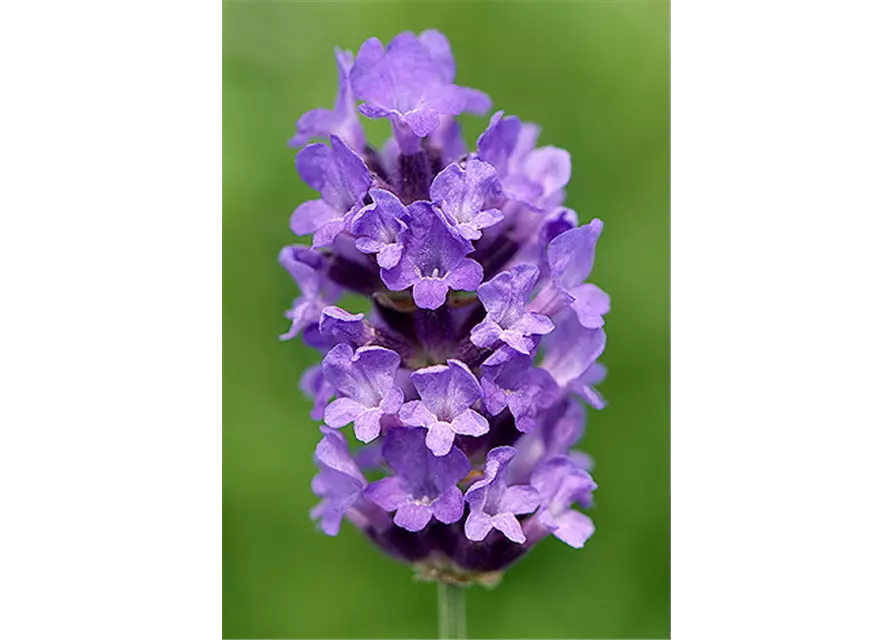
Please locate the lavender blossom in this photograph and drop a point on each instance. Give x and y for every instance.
(494, 504)
(425, 486)
(381, 228)
(364, 381)
(447, 393)
(305, 266)
(467, 373)
(505, 299)
(411, 84)
(433, 260)
(339, 482)
(341, 121)
(342, 179)
(560, 483)
(462, 195)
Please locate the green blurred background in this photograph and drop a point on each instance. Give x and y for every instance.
(595, 75)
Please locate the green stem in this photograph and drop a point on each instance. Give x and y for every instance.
(450, 611)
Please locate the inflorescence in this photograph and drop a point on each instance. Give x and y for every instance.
(463, 381)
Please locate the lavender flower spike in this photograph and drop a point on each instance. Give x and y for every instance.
(462, 195)
(339, 482)
(494, 505)
(433, 260)
(505, 299)
(447, 393)
(342, 120)
(342, 179)
(425, 486)
(454, 383)
(365, 382)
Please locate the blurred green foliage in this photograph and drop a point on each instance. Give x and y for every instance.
(595, 75)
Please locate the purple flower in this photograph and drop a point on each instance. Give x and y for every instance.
(494, 505)
(342, 179)
(558, 429)
(339, 482)
(402, 226)
(410, 84)
(560, 484)
(317, 292)
(438, 46)
(505, 299)
(433, 260)
(571, 256)
(425, 486)
(364, 381)
(462, 193)
(521, 387)
(506, 144)
(341, 121)
(380, 228)
(313, 384)
(338, 325)
(447, 393)
(570, 356)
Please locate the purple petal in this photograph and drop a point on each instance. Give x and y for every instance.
(447, 390)
(439, 48)
(572, 254)
(366, 375)
(424, 476)
(342, 411)
(439, 438)
(342, 326)
(332, 452)
(413, 517)
(571, 349)
(560, 484)
(461, 193)
(496, 144)
(477, 526)
(470, 423)
(505, 295)
(508, 525)
(574, 528)
(430, 293)
(389, 255)
(466, 275)
(337, 173)
(422, 121)
(367, 425)
(590, 304)
(305, 266)
(314, 385)
(548, 167)
(450, 506)
(392, 401)
(486, 333)
(533, 324)
(476, 102)
(312, 215)
(387, 493)
(519, 499)
(341, 120)
(416, 414)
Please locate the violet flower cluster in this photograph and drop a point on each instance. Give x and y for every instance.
(464, 379)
